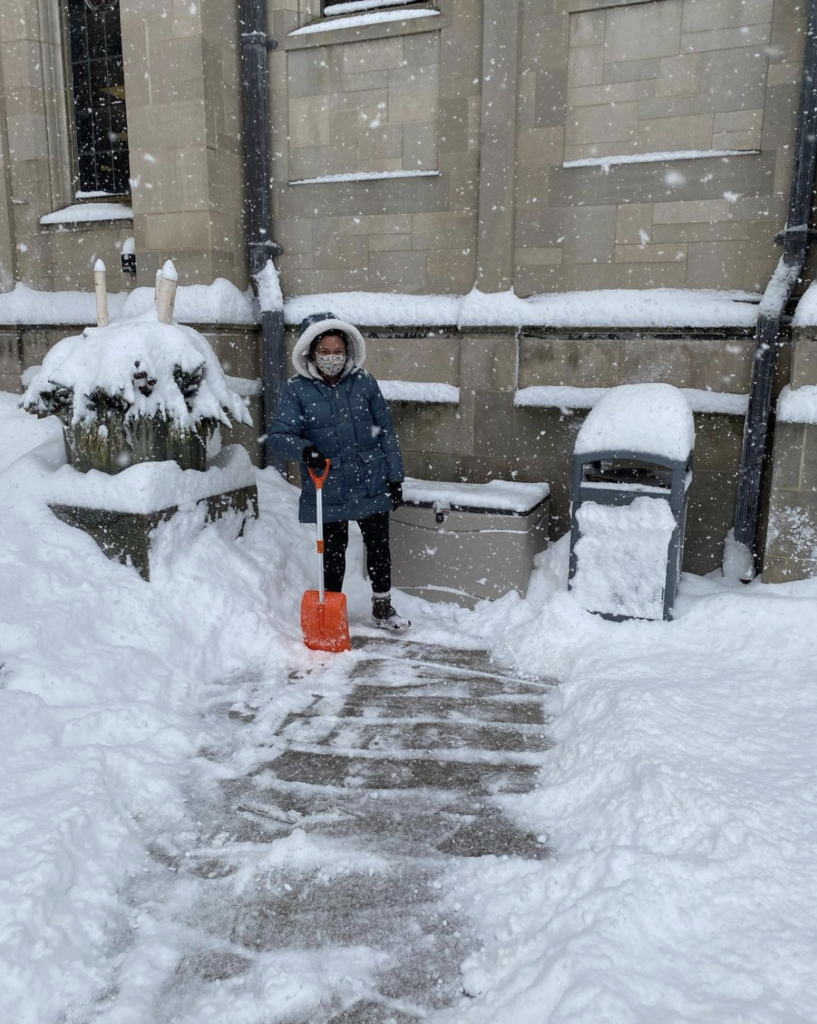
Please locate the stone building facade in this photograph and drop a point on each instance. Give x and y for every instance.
(429, 147)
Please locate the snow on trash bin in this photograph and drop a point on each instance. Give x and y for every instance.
(632, 469)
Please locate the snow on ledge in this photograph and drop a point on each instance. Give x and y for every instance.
(569, 398)
(797, 405)
(655, 307)
(361, 20)
(412, 391)
(328, 179)
(606, 162)
(86, 213)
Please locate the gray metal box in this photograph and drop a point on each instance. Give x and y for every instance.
(465, 543)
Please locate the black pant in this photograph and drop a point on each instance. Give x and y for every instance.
(375, 530)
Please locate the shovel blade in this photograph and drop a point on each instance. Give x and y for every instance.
(325, 626)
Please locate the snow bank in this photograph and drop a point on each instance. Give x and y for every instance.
(105, 359)
(106, 683)
(652, 419)
(507, 495)
(797, 405)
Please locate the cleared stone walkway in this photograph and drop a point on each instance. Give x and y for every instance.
(396, 780)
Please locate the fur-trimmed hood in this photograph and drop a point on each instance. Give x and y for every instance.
(319, 323)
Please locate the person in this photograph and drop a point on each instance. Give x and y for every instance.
(333, 409)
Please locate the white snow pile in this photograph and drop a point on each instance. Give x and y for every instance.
(137, 364)
(622, 557)
(651, 419)
(797, 405)
(652, 307)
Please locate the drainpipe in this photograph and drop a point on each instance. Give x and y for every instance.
(255, 45)
(795, 239)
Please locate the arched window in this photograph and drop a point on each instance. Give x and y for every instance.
(97, 98)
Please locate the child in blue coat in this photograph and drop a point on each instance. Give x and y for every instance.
(333, 409)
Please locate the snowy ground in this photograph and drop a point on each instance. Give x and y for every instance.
(679, 798)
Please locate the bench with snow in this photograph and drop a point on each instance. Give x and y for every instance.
(632, 469)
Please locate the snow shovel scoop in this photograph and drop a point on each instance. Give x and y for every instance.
(324, 620)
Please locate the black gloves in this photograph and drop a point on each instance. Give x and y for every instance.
(396, 492)
(313, 458)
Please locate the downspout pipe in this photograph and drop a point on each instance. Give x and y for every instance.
(255, 45)
(795, 239)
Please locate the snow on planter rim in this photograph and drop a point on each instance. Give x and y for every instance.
(104, 359)
(651, 419)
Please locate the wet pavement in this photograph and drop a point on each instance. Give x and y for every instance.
(378, 793)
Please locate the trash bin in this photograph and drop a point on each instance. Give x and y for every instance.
(632, 468)
(465, 543)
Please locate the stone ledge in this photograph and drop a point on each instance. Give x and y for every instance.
(126, 536)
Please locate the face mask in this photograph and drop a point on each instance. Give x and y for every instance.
(330, 366)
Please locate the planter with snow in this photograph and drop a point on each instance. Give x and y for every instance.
(632, 469)
(138, 400)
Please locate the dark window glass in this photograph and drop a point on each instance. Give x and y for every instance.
(98, 92)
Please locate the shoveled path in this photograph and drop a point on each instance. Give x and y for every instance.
(395, 780)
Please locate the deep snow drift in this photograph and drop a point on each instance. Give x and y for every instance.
(679, 798)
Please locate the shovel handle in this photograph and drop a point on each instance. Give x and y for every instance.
(318, 481)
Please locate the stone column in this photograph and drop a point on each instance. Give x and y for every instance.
(500, 59)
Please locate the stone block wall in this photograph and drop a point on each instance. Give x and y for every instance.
(609, 79)
(395, 98)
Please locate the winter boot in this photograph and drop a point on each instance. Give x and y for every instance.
(385, 617)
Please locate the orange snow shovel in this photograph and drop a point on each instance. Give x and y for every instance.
(324, 620)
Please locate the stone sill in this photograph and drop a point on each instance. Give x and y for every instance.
(363, 33)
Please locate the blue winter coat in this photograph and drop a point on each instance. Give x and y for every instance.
(350, 423)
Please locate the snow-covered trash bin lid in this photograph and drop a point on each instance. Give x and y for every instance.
(510, 497)
(645, 419)
(622, 553)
